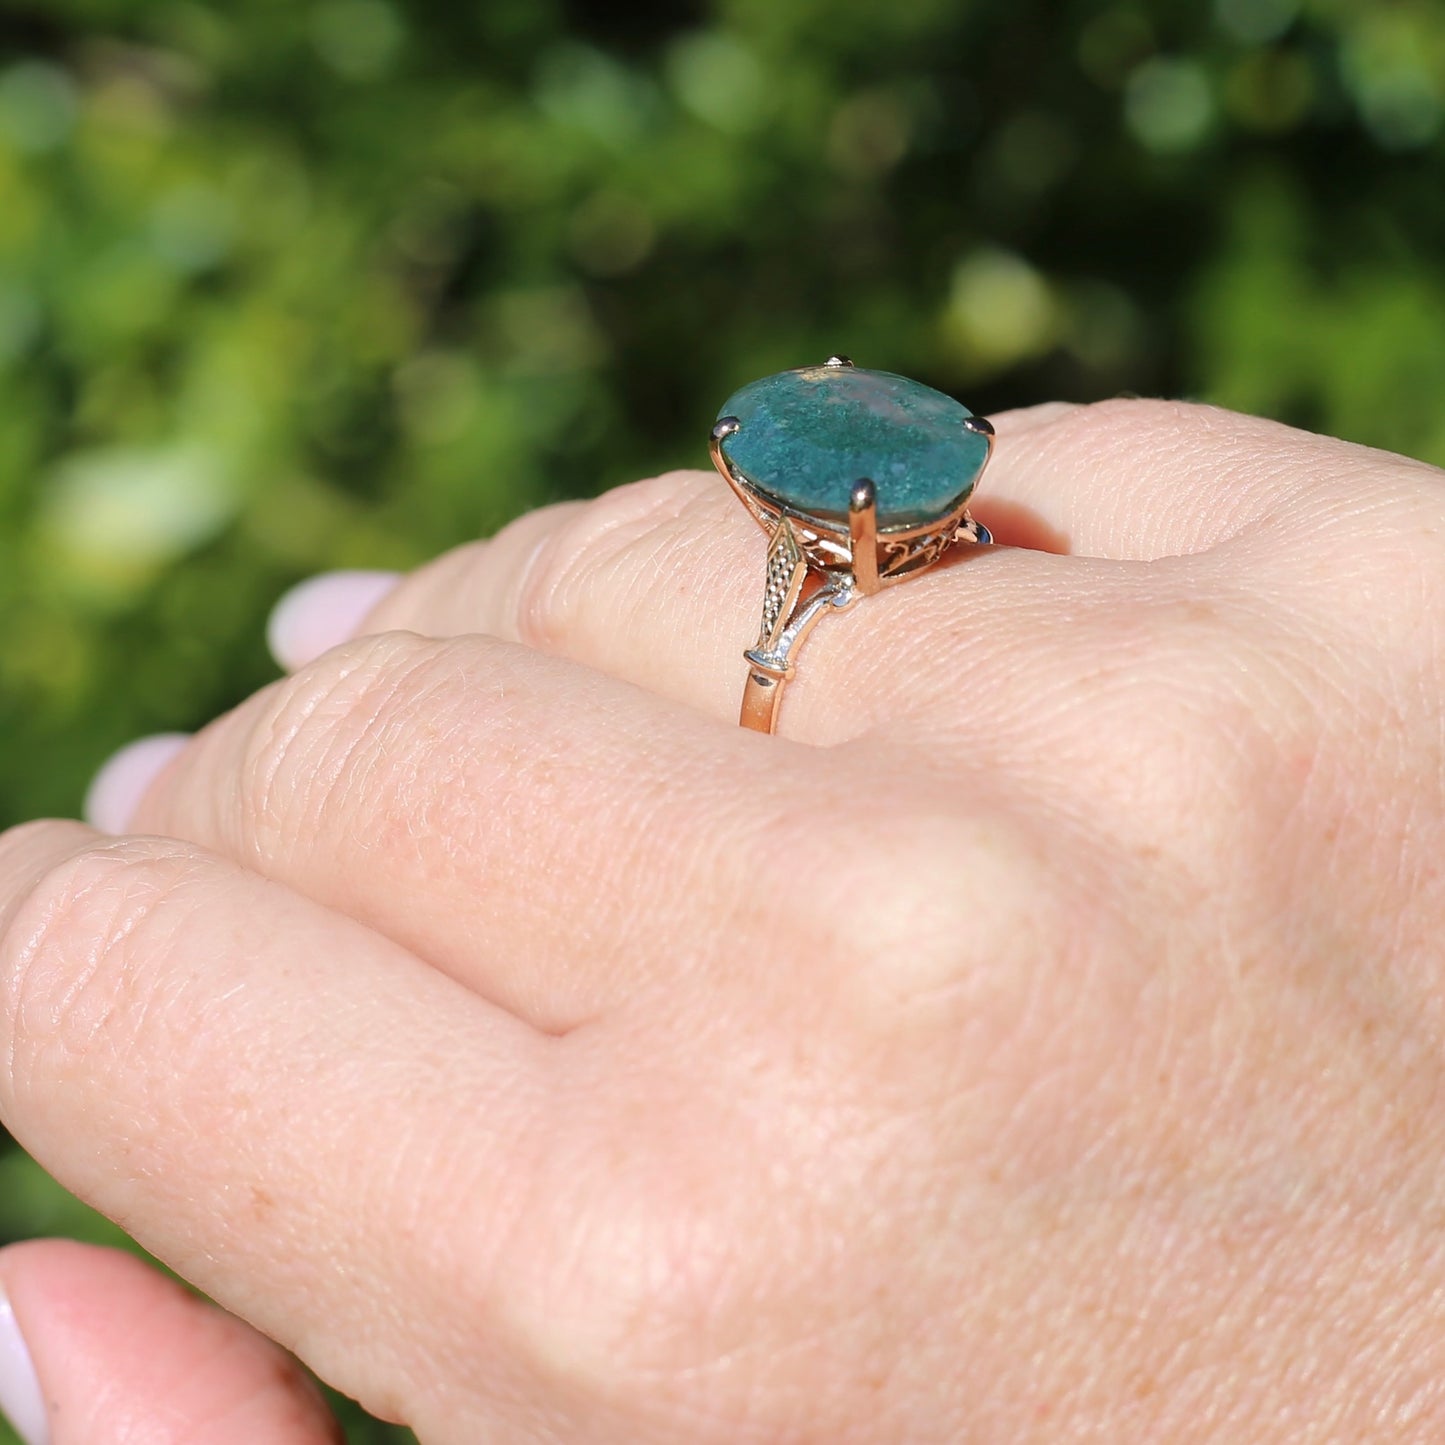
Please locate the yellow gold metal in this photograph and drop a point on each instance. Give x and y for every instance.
(863, 536)
(762, 697)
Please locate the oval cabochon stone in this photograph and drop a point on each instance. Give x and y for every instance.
(806, 437)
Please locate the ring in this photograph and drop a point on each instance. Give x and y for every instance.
(860, 479)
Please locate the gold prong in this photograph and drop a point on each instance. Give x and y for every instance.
(863, 530)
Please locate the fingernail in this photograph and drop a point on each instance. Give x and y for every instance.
(317, 614)
(116, 790)
(21, 1402)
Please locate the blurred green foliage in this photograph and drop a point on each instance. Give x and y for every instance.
(292, 284)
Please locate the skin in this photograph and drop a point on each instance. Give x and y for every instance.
(1040, 1040)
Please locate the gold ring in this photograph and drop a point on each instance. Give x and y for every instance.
(861, 479)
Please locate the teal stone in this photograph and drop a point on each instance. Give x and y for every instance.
(807, 437)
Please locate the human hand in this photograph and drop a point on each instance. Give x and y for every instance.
(1042, 1040)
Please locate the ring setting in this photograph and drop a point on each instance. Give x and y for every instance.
(861, 479)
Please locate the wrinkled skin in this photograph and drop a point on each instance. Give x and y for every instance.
(1040, 1039)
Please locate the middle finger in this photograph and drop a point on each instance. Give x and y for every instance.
(446, 792)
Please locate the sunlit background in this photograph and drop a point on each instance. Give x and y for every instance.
(293, 284)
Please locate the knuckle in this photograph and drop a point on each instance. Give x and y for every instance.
(1398, 557)
(67, 954)
(1366, 588)
(1159, 423)
(547, 593)
(1178, 719)
(1192, 762)
(935, 925)
(1184, 440)
(580, 571)
(314, 730)
(640, 1254)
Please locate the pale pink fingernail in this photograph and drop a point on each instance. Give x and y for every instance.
(320, 612)
(21, 1402)
(116, 790)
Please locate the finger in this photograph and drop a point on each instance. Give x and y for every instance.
(117, 1354)
(1020, 419)
(241, 1077)
(1136, 480)
(660, 583)
(446, 793)
(330, 608)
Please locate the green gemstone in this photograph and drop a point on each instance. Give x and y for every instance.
(807, 437)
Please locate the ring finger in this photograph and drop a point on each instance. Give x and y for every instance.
(660, 583)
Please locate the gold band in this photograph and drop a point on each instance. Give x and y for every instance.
(789, 615)
(791, 609)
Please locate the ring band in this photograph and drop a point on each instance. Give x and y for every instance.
(861, 479)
